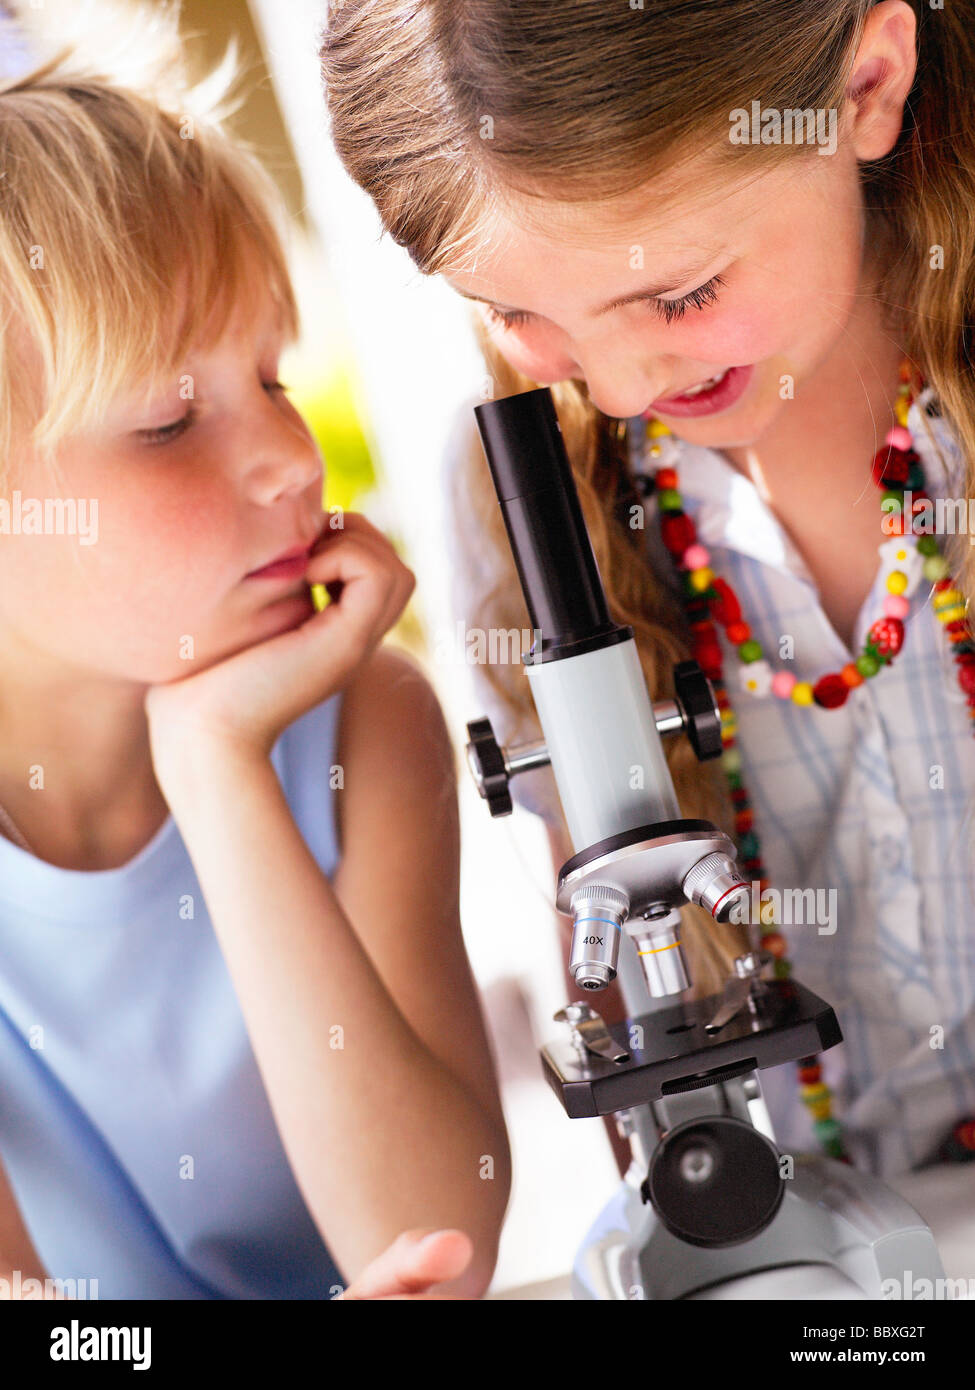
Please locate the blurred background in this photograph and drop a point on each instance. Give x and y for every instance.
(387, 372)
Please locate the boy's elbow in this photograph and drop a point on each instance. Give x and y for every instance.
(475, 1285)
(476, 1279)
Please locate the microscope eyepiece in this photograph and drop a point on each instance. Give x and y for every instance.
(553, 554)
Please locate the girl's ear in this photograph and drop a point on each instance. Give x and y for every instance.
(865, 78)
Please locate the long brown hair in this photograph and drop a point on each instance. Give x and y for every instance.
(588, 102)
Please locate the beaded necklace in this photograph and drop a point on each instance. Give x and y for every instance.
(707, 598)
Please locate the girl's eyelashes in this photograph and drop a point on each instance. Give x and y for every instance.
(704, 295)
(507, 318)
(162, 434)
(667, 309)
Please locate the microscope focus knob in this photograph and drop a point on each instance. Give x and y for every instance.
(487, 764)
(702, 721)
(714, 1181)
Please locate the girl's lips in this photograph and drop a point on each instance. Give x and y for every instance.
(721, 397)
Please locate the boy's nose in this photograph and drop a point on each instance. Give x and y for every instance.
(284, 460)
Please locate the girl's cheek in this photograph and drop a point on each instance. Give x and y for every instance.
(529, 354)
(747, 335)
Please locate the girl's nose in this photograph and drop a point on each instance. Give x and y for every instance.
(622, 384)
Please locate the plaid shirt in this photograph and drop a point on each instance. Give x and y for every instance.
(873, 800)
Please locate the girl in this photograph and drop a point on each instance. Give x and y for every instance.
(240, 1044)
(737, 239)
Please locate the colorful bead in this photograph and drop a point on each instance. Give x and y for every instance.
(696, 556)
(901, 557)
(725, 608)
(701, 578)
(756, 675)
(802, 693)
(782, 683)
(890, 466)
(677, 531)
(731, 760)
(887, 636)
(965, 1134)
(826, 1129)
(949, 605)
(830, 691)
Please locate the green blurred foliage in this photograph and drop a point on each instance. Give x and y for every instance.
(329, 409)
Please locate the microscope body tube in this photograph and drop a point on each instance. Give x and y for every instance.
(605, 751)
(612, 776)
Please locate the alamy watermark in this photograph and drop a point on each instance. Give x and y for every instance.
(17, 1287)
(804, 907)
(767, 125)
(478, 646)
(50, 516)
(927, 516)
(913, 1289)
(77, 1343)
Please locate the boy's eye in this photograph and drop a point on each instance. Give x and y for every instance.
(163, 433)
(668, 309)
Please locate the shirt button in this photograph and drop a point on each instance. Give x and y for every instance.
(863, 713)
(890, 852)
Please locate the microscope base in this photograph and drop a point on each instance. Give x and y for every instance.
(839, 1234)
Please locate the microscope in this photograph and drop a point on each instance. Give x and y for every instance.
(709, 1207)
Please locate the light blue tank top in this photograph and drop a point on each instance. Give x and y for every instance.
(134, 1124)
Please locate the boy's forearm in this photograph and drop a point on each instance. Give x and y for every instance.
(380, 1133)
(19, 1261)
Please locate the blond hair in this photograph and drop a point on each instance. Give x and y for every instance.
(130, 222)
(589, 102)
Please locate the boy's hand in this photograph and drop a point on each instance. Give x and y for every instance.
(412, 1267)
(248, 699)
